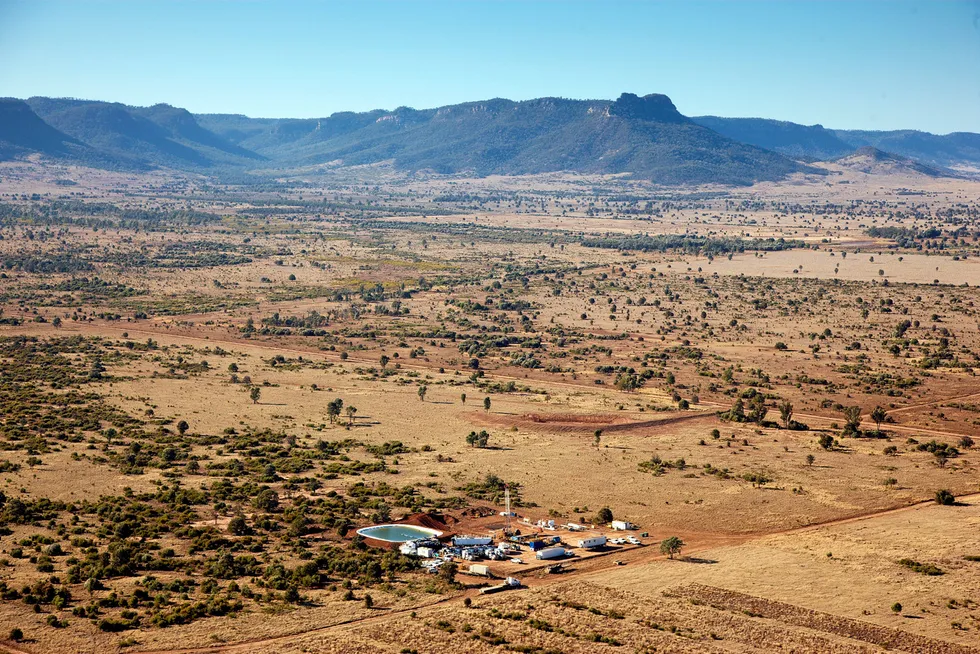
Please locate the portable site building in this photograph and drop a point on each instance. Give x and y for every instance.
(480, 569)
(591, 543)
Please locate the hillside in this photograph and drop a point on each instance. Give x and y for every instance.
(160, 135)
(817, 143)
(955, 149)
(22, 132)
(645, 137)
(806, 142)
(873, 161)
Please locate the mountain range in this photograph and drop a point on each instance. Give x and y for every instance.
(644, 137)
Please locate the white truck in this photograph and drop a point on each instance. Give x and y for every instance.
(509, 583)
(592, 543)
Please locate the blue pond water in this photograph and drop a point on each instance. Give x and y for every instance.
(397, 533)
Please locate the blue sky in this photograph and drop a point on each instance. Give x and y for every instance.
(869, 65)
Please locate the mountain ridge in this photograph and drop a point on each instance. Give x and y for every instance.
(642, 136)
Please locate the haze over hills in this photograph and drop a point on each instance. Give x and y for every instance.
(645, 137)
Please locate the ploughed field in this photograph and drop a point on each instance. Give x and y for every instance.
(207, 390)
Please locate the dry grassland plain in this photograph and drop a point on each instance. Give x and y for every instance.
(206, 389)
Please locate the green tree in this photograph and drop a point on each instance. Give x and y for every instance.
(486, 404)
(255, 393)
(852, 418)
(423, 389)
(810, 459)
(628, 382)
(462, 398)
(266, 500)
(384, 361)
(604, 516)
(478, 439)
(351, 412)
(826, 441)
(786, 413)
(878, 415)
(757, 479)
(334, 408)
(447, 572)
(182, 427)
(671, 546)
(758, 408)
(238, 526)
(737, 412)
(597, 438)
(945, 497)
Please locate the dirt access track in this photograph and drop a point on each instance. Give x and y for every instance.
(570, 423)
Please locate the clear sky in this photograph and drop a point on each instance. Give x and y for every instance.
(869, 65)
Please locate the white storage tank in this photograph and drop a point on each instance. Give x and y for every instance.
(590, 543)
(551, 553)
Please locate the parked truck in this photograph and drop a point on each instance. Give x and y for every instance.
(509, 583)
(551, 553)
(592, 543)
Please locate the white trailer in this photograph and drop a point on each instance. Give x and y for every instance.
(592, 543)
(622, 525)
(480, 570)
(472, 540)
(551, 553)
